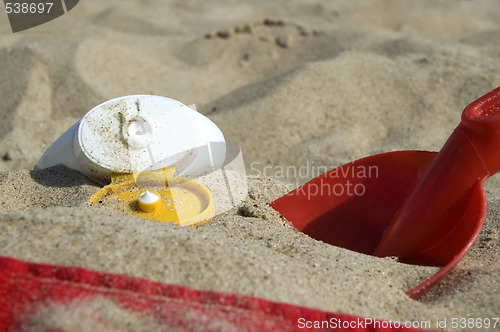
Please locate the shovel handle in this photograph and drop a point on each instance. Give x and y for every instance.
(481, 122)
(471, 154)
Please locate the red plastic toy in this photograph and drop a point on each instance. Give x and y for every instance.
(28, 289)
(425, 208)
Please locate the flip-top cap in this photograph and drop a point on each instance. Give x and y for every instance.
(138, 133)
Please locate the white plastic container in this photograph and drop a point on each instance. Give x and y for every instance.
(137, 133)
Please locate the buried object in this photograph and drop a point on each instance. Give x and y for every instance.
(150, 148)
(426, 208)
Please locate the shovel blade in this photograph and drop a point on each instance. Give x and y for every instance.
(352, 205)
(357, 219)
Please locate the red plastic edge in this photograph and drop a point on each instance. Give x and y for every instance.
(420, 289)
(26, 287)
(485, 109)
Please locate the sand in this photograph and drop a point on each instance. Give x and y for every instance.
(303, 84)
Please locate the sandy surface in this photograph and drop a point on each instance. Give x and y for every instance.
(293, 83)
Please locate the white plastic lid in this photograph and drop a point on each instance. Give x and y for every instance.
(137, 133)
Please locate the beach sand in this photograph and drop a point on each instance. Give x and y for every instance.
(311, 85)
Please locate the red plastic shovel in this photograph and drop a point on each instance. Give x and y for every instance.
(426, 208)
